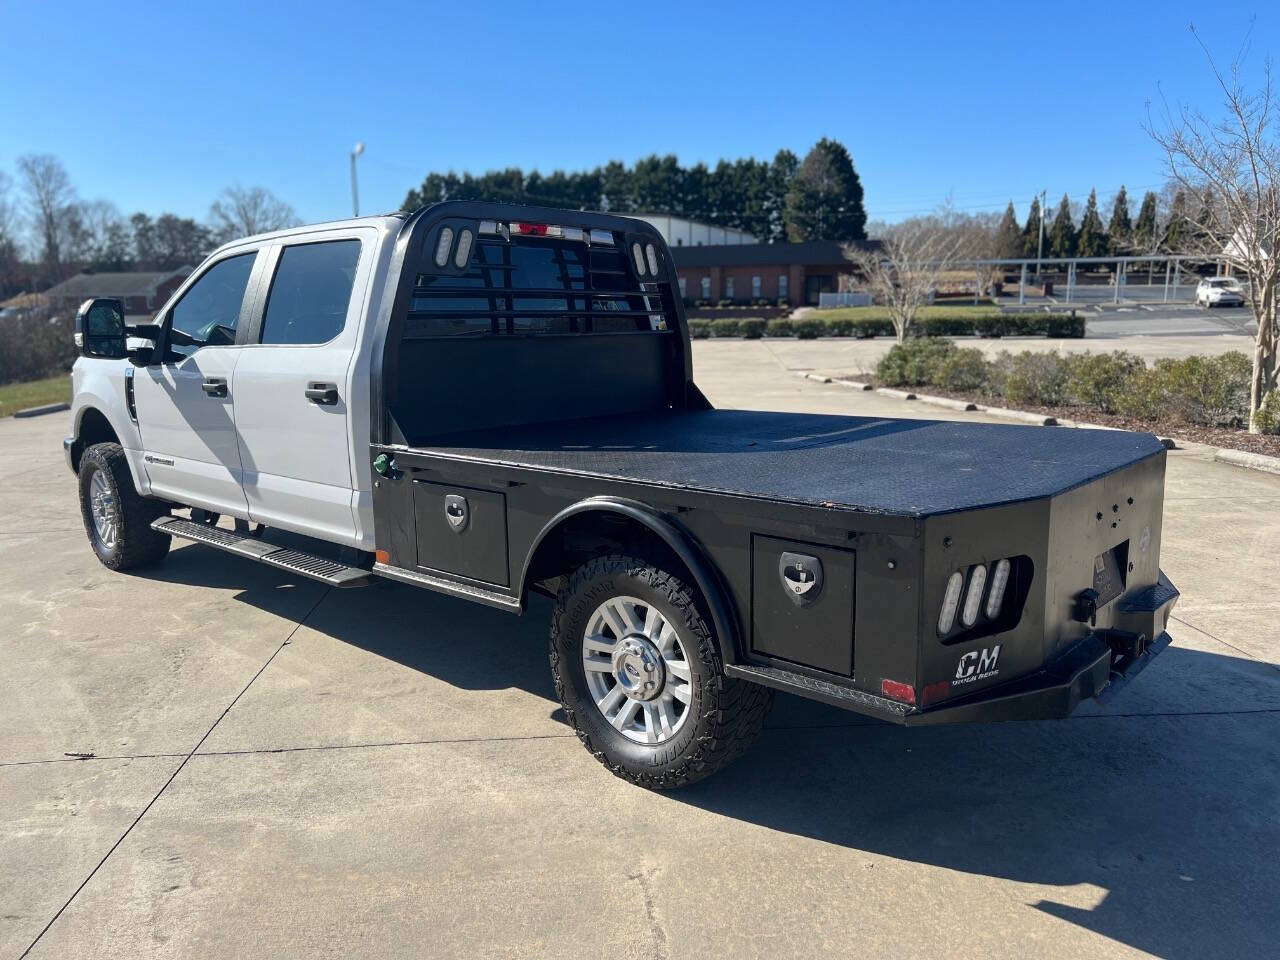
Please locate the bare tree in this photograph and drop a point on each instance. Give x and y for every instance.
(8, 236)
(97, 235)
(50, 200)
(1228, 165)
(243, 211)
(903, 274)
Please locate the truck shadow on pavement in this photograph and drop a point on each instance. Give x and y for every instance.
(1154, 823)
(1157, 831)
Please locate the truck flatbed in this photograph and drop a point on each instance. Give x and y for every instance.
(912, 468)
(491, 401)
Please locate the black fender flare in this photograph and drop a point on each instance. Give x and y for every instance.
(705, 575)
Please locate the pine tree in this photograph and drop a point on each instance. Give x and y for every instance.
(1176, 233)
(780, 174)
(1144, 230)
(1092, 240)
(1008, 243)
(1202, 229)
(1031, 232)
(1062, 235)
(825, 198)
(1120, 229)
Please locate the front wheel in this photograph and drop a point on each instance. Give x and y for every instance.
(116, 517)
(640, 677)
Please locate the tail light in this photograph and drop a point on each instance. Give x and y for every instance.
(950, 603)
(988, 590)
(973, 598)
(999, 581)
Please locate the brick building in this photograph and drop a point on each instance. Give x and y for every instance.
(795, 272)
(143, 293)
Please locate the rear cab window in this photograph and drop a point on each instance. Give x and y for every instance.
(310, 292)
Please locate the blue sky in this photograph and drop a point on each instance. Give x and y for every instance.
(158, 107)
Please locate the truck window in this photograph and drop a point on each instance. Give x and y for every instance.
(209, 311)
(311, 292)
(529, 286)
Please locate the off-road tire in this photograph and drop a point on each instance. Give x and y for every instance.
(726, 714)
(136, 544)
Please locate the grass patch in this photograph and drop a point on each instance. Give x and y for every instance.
(34, 393)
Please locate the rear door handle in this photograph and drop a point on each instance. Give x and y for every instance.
(325, 394)
(215, 386)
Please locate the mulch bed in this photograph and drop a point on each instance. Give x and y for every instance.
(1213, 436)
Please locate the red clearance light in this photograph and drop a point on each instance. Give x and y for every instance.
(934, 692)
(902, 692)
(530, 229)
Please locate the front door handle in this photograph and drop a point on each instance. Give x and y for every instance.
(325, 394)
(215, 386)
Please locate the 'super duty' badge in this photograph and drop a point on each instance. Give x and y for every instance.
(978, 665)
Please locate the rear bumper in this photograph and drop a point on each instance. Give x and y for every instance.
(1098, 666)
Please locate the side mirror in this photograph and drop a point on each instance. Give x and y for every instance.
(100, 328)
(142, 356)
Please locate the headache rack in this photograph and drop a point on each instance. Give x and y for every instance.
(490, 278)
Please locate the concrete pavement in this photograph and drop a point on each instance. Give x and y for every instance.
(279, 770)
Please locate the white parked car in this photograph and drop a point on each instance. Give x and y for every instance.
(1220, 292)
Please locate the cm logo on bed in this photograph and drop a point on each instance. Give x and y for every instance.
(978, 665)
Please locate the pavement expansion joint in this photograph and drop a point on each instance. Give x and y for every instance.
(173, 776)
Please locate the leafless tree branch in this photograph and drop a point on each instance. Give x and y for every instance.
(903, 274)
(1229, 166)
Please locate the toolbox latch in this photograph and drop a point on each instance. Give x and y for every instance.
(801, 577)
(457, 511)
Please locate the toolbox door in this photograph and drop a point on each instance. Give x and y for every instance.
(461, 530)
(802, 603)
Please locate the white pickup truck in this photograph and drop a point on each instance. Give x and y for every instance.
(488, 400)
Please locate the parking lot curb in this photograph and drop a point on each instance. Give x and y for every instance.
(41, 411)
(1251, 461)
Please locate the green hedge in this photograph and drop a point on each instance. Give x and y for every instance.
(1055, 325)
(1268, 418)
(1205, 391)
(37, 344)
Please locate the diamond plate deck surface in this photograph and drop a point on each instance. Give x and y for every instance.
(907, 467)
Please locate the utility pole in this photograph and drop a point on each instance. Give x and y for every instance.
(355, 190)
(1044, 194)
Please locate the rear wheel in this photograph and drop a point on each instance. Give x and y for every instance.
(640, 677)
(116, 517)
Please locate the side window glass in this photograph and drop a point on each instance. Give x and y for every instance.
(310, 293)
(207, 314)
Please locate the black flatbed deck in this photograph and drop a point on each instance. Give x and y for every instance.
(886, 466)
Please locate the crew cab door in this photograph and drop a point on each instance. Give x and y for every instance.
(293, 384)
(185, 403)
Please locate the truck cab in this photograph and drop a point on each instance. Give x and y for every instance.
(492, 401)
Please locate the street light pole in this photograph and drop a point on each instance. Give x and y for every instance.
(355, 190)
(1044, 196)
